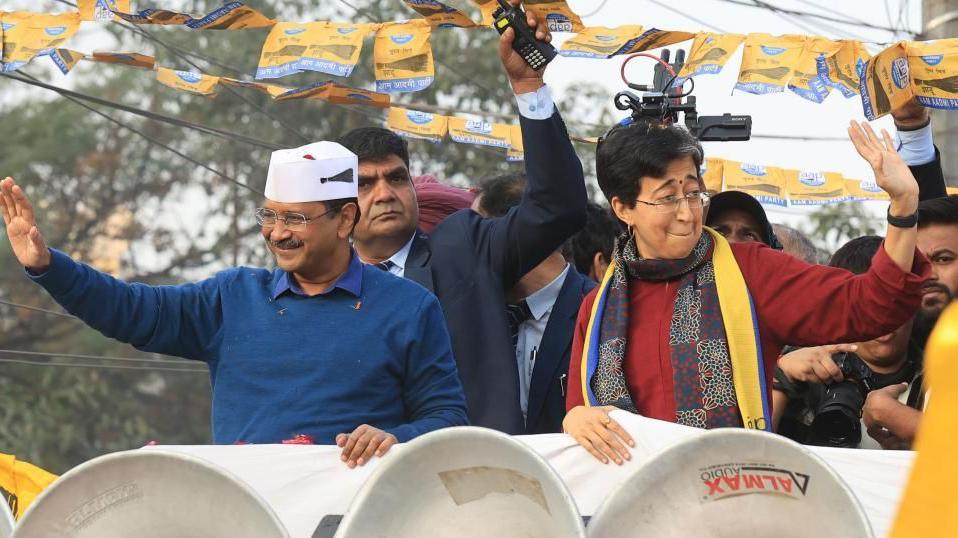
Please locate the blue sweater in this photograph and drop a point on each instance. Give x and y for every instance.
(373, 350)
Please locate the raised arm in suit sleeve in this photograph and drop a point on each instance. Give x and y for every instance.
(917, 148)
(553, 206)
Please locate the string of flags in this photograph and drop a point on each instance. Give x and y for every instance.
(403, 62)
(809, 66)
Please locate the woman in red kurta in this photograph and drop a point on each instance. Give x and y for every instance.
(664, 352)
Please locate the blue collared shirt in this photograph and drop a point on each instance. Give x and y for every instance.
(350, 281)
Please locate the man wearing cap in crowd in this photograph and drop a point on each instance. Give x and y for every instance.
(740, 217)
(314, 348)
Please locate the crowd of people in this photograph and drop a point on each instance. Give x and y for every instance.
(400, 305)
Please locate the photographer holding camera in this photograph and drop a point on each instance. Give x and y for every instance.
(820, 392)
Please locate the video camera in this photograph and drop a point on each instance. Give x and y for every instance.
(662, 102)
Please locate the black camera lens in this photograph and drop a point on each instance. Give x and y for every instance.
(837, 420)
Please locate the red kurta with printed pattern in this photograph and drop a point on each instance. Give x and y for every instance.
(796, 304)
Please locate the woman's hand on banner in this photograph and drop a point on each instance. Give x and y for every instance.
(594, 429)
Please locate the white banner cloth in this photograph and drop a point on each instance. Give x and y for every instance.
(303, 483)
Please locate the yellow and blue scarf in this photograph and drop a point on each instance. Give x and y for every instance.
(716, 351)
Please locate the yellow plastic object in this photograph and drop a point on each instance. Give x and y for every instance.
(929, 507)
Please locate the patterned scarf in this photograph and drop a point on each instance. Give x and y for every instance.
(701, 367)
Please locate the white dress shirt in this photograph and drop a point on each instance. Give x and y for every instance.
(916, 147)
(531, 331)
(397, 262)
(537, 105)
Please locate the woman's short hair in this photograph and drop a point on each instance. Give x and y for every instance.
(629, 153)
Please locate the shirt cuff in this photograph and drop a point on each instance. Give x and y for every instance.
(917, 147)
(538, 105)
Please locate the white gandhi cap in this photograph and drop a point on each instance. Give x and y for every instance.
(312, 173)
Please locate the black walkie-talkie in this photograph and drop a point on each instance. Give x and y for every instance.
(536, 53)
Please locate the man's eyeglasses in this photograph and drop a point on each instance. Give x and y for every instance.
(670, 204)
(293, 221)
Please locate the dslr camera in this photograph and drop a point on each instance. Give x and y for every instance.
(837, 419)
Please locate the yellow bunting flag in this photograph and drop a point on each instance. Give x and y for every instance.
(344, 95)
(132, 59)
(861, 190)
(934, 72)
(806, 80)
(229, 16)
(313, 91)
(807, 187)
(708, 54)
(765, 183)
(273, 90)
(843, 69)
(21, 482)
(403, 57)
(654, 38)
(27, 35)
(188, 81)
(65, 59)
(885, 84)
(600, 42)
(768, 62)
(326, 47)
(559, 16)
(441, 15)
(155, 16)
(712, 170)
(480, 132)
(101, 10)
(928, 507)
(516, 150)
(415, 124)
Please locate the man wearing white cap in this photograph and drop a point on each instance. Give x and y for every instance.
(314, 348)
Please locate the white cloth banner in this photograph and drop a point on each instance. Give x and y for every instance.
(303, 483)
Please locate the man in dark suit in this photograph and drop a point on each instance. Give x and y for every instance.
(468, 261)
(542, 309)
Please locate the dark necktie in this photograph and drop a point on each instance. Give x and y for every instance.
(517, 313)
(385, 266)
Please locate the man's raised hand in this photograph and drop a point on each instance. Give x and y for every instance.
(25, 239)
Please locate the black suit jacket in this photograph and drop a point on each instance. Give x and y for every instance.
(546, 406)
(469, 261)
(930, 178)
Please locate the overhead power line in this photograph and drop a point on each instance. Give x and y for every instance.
(38, 309)
(221, 133)
(145, 136)
(840, 20)
(176, 51)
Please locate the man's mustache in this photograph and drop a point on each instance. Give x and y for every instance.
(285, 244)
(935, 286)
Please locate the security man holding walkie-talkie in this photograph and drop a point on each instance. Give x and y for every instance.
(469, 261)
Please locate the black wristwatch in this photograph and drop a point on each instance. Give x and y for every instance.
(903, 222)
